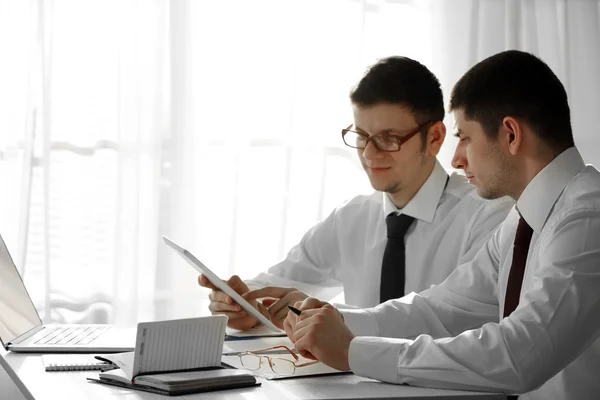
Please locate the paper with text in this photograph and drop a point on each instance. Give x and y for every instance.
(257, 331)
(234, 347)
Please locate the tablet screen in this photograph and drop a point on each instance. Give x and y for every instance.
(214, 279)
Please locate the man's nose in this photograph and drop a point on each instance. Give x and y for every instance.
(459, 161)
(371, 151)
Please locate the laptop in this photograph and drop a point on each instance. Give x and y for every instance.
(21, 329)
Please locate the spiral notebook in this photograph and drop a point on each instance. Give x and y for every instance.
(75, 362)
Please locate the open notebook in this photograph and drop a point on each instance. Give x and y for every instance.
(176, 357)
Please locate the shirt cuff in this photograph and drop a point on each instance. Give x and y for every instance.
(375, 358)
(361, 322)
(344, 306)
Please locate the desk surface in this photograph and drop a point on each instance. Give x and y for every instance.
(73, 385)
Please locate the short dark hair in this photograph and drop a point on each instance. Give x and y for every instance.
(401, 80)
(517, 84)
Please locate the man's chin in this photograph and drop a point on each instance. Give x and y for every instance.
(385, 187)
(488, 194)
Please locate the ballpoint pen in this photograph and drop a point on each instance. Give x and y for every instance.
(295, 310)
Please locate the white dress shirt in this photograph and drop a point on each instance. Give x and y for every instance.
(345, 250)
(547, 347)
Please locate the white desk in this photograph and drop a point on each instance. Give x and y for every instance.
(73, 385)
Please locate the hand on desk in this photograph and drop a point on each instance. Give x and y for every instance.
(320, 333)
(221, 303)
(277, 304)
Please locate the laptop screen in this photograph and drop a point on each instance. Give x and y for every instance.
(17, 312)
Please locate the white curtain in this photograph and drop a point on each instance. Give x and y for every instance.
(265, 87)
(564, 33)
(217, 124)
(82, 126)
(19, 77)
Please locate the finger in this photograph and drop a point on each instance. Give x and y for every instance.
(237, 284)
(268, 302)
(313, 321)
(301, 328)
(288, 326)
(307, 354)
(302, 343)
(334, 311)
(231, 315)
(281, 304)
(204, 282)
(263, 310)
(307, 314)
(285, 301)
(267, 291)
(290, 321)
(233, 281)
(279, 315)
(298, 304)
(293, 318)
(237, 315)
(277, 309)
(311, 302)
(220, 297)
(219, 306)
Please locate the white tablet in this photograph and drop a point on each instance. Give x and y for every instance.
(214, 279)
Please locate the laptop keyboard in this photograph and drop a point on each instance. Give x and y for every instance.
(71, 335)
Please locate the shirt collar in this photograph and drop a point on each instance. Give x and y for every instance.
(423, 204)
(539, 196)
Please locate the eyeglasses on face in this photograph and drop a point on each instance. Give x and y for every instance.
(382, 141)
(281, 366)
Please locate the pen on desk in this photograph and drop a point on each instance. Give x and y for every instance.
(295, 310)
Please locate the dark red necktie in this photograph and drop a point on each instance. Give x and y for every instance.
(517, 268)
(517, 271)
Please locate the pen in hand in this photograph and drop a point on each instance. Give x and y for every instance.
(295, 310)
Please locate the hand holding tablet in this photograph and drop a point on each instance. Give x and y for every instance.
(214, 279)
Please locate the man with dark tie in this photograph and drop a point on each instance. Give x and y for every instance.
(522, 317)
(418, 225)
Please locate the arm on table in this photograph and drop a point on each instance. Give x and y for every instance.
(555, 322)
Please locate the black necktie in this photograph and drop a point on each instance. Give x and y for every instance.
(517, 268)
(393, 269)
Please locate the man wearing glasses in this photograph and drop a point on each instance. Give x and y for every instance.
(408, 235)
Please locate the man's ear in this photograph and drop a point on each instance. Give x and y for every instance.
(435, 138)
(512, 131)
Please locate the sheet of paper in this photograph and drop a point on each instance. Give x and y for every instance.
(266, 372)
(117, 375)
(257, 331)
(123, 360)
(232, 347)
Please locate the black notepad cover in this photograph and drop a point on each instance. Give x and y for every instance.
(183, 390)
(225, 386)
